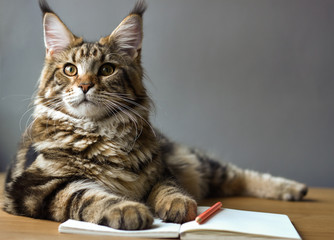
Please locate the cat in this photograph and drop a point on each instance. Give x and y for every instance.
(91, 153)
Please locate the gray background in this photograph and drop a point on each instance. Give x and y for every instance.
(249, 81)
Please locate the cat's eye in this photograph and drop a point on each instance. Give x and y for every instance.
(70, 70)
(106, 69)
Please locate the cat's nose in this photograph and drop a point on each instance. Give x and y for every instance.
(85, 86)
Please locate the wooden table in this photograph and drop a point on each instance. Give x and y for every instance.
(313, 217)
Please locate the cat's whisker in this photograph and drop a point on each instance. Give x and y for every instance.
(23, 115)
(50, 103)
(134, 121)
(110, 108)
(16, 96)
(126, 113)
(114, 113)
(138, 115)
(131, 101)
(71, 99)
(54, 103)
(128, 108)
(137, 137)
(28, 129)
(30, 109)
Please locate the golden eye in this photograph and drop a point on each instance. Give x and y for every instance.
(70, 70)
(106, 69)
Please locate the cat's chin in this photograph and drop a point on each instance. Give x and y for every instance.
(87, 109)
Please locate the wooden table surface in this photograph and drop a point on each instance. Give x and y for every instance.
(313, 218)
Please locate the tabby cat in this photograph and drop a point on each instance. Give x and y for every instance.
(90, 152)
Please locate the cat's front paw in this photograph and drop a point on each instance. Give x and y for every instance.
(177, 209)
(127, 216)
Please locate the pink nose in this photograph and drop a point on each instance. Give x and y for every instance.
(85, 86)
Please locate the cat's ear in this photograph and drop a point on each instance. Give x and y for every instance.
(128, 35)
(57, 37)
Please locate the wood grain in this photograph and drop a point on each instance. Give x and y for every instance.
(313, 217)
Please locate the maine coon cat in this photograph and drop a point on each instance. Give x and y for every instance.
(91, 153)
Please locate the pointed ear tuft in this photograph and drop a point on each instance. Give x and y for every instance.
(128, 35)
(57, 37)
(139, 8)
(44, 6)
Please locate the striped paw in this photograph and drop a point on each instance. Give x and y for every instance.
(128, 216)
(177, 209)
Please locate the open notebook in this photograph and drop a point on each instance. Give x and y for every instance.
(230, 223)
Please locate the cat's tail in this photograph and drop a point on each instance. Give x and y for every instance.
(203, 176)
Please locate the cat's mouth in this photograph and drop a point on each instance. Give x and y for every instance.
(84, 107)
(85, 102)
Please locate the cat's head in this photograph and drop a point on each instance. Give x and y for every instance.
(93, 80)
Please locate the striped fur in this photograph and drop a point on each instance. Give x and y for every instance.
(91, 153)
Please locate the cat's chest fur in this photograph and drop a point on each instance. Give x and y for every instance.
(119, 157)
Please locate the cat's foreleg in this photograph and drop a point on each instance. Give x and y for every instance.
(60, 199)
(88, 201)
(172, 204)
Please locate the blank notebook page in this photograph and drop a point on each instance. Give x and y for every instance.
(247, 222)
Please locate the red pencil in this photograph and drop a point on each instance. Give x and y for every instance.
(208, 213)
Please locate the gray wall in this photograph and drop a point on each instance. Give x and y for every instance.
(250, 81)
